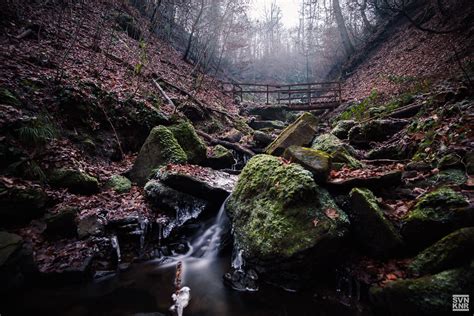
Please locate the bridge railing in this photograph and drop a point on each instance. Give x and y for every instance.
(317, 94)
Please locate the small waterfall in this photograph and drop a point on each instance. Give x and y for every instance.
(116, 246)
(237, 260)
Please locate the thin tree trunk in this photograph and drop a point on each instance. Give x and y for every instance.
(193, 29)
(346, 41)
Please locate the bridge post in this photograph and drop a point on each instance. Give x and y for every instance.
(267, 95)
(289, 95)
(309, 94)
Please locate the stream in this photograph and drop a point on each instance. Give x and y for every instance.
(146, 288)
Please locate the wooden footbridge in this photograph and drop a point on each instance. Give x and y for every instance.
(296, 97)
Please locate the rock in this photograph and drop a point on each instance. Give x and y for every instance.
(75, 181)
(434, 215)
(219, 157)
(256, 124)
(448, 177)
(429, 295)
(204, 183)
(341, 130)
(269, 112)
(340, 153)
(62, 224)
(418, 166)
(9, 243)
(375, 131)
(91, 225)
(183, 206)
(20, 204)
(8, 98)
(469, 162)
(283, 221)
(160, 148)
(240, 280)
(395, 151)
(300, 133)
(191, 143)
(316, 161)
(262, 138)
(233, 136)
(450, 161)
(373, 231)
(119, 184)
(388, 179)
(452, 251)
(129, 25)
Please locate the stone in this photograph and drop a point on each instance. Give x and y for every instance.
(219, 157)
(435, 215)
(450, 161)
(75, 181)
(258, 125)
(299, 133)
(283, 221)
(269, 112)
(340, 152)
(375, 131)
(9, 244)
(119, 184)
(129, 25)
(373, 232)
(262, 139)
(394, 151)
(233, 136)
(316, 161)
(428, 295)
(387, 179)
(20, 204)
(62, 224)
(452, 251)
(341, 130)
(469, 162)
(189, 141)
(160, 148)
(90, 225)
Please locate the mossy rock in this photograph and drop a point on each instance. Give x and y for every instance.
(8, 98)
(375, 131)
(469, 162)
(62, 224)
(9, 244)
(119, 184)
(299, 133)
(340, 152)
(395, 151)
(75, 181)
(451, 251)
(435, 215)
(342, 128)
(189, 140)
(316, 161)
(220, 157)
(129, 25)
(160, 148)
(449, 161)
(279, 213)
(21, 204)
(429, 295)
(374, 233)
(269, 112)
(258, 124)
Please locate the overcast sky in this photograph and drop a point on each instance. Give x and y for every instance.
(289, 9)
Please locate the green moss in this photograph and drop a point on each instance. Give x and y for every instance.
(341, 130)
(119, 184)
(8, 98)
(274, 207)
(189, 141)
(339, 152)
(74, 180)
(360, 111)
(451, 251)
(316, 161)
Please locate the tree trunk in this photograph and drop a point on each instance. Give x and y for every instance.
(193, 29)
(346, 41)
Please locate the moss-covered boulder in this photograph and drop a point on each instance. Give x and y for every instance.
(452, 251)
(189, 140)
(269, 112)
(219, 157)
(374, 233)
(262, 139)
(316, 161)
(160, 148)
(375, 131)
(340, 153)
(299, 133)
(342, 128)
(119, 184)
(429, 295)
(75, 181)
(448, 161)
(281, 217)
(258, 124)
(128, 24)
(8, 98)
(20, 204)
(436, 214)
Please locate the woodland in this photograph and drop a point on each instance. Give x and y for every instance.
(236, 157)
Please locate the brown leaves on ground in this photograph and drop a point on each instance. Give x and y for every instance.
(364, 173)
(373, 271)
(332, 213)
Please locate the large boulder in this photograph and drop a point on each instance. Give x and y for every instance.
(340, 152)
(375, 131)
(258, 124)
(342, 128)
(269, 112)
(429, 295)
(316, 161)
(61, 224)
(75, 181)
(219, 157)
(189, 140)
(299, 133)
(20, 204)
(374, 233)
(282, 220)
(160, 148)
(9, 243)
(435, 215)
(119, 184)
(451, 251)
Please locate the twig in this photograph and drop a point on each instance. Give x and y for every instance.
(163, 93)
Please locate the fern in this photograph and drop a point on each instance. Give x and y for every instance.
(38, 132)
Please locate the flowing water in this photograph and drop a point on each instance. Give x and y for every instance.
(146, 288)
